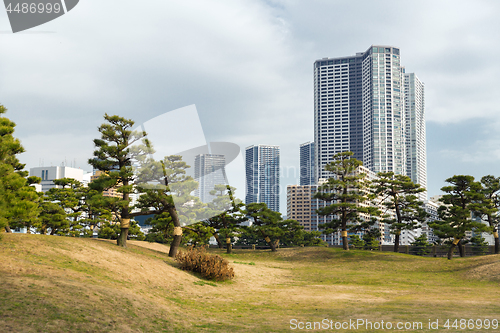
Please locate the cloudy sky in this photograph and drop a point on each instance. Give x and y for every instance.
(247, 65)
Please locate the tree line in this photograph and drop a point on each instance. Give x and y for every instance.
(357, 204)
(353, 204)
(162, 187)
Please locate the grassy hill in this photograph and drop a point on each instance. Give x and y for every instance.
(60, 284)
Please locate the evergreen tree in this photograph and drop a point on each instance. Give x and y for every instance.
(479, 244)
(421, 245)
(463, 198)
(225, 224)
(266, 223)
(398, 194)
(18, 200)
(115, 152)
(356, 242)
(490, 207)
(347, 193)
(161, 181)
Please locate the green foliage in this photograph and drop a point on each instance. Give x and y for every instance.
(346, 192)
(420, 246)
(112, 231)
(225, 224)
(356, 242)
(371, 239)
(399, 195)
(479, 244)
(463, 198)
(211, 267)
(18, 201)
(115, 151)
(266, 222)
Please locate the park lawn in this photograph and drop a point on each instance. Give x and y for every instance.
(62, 284)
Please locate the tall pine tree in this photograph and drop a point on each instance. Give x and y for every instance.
(347, 192)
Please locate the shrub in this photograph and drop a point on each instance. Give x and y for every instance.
(212, 267)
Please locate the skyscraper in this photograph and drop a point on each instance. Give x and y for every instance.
(262, 164)
(208, 172)
(307, 163)
(416, 160)
(359, 106)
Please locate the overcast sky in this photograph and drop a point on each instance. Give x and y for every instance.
(247, 65)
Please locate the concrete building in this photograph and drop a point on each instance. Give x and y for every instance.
(208, 172)
(307, 163)
(49, 174)
(262, 167)
(359, 106)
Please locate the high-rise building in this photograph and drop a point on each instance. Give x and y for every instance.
(416, 160)
(359, 106)
(307, 163)
(262, 163)
(208, 172)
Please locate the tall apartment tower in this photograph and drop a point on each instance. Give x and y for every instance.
(262, 163)
(307, 163)
(208, 172)
(416, 160)
(359, 106)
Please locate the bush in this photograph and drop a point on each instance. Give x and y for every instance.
(212, 267)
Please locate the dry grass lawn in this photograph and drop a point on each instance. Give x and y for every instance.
(59, 284)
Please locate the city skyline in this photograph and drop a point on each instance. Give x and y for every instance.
(366, 103)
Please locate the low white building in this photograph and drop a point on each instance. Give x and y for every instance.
(49, 174)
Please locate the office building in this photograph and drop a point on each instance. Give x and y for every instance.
(262, 163)
(49, 174)
(307, 163)
(208, 172)
(359, 106)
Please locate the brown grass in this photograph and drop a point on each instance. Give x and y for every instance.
(59, 284)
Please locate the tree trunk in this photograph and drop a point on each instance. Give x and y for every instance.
(497, 245)
(122, 239)
(216, 236)
(229, 245)
(345, 242)
(396, 241)
(461, 249)
(271, 244)
(450, 251)
(174, 246)
(497, 242)
(7, 229)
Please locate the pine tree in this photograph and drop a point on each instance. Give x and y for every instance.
(266, 223)
(346, 192)
(227, 215)
(491, 205)
(398, 194)
(463, 198)
(18, 200)
(115, 152)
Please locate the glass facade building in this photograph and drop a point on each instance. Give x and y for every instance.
(307, 163)
(262, 167)
(360, 106)
(208, 172)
